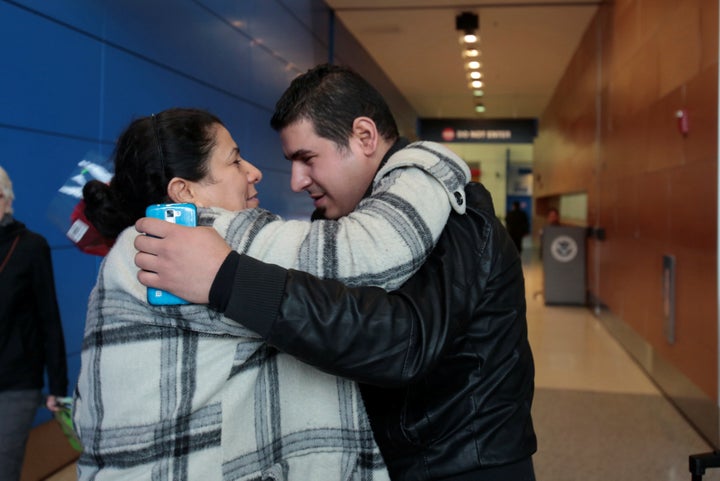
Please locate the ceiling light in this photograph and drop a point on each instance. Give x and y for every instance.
(467, 22)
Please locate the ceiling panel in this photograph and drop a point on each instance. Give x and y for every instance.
(526, 46)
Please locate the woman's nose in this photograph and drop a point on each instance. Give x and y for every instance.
(254, 174)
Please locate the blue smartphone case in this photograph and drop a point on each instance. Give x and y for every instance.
(183, 214)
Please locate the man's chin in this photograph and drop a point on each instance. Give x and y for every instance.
(318, 214)
(324, 213)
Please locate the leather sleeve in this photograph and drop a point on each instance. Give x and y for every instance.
(363, 333)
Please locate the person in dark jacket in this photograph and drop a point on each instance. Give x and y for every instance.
(31, 336)
(445, 364)
(551, 218)
(517, 225)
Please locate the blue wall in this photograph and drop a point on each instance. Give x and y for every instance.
(76, 72)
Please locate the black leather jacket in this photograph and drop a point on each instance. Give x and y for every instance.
(446, 367)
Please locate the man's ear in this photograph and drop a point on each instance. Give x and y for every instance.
(365, 131)
(180, 190)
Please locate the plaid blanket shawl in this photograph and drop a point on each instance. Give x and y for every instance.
(181, 392)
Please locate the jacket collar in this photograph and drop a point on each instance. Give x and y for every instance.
(11, 229)
(400, 143)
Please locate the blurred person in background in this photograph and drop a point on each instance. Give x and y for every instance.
(551, 218)
(517, 225)
(31, 336)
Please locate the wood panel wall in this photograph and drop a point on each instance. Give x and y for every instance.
(611, 131)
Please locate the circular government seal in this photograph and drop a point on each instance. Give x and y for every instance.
(564, 248)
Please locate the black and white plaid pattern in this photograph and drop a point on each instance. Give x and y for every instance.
(180, 392)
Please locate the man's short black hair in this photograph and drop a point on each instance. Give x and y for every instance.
(332, 97)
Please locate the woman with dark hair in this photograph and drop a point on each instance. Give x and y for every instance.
(181, 142)
(180, 392)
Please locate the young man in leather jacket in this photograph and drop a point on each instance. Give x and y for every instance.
(445, 364)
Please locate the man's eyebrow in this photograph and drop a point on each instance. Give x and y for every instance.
(298, 154)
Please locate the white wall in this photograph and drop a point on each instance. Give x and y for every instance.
(574, 208)
(492, 159)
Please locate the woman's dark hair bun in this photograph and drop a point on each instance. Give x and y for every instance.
(102, 211)
(148, 154)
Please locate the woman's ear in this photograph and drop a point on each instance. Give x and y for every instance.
(365, 131)
(180, 190)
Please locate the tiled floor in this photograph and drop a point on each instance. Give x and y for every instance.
(597, 415)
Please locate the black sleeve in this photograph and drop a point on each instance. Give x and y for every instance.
(49, 316)
(362, 333)
(221, 288)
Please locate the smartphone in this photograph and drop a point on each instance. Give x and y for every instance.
(183, 214)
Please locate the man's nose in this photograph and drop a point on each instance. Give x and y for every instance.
(299, 178)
